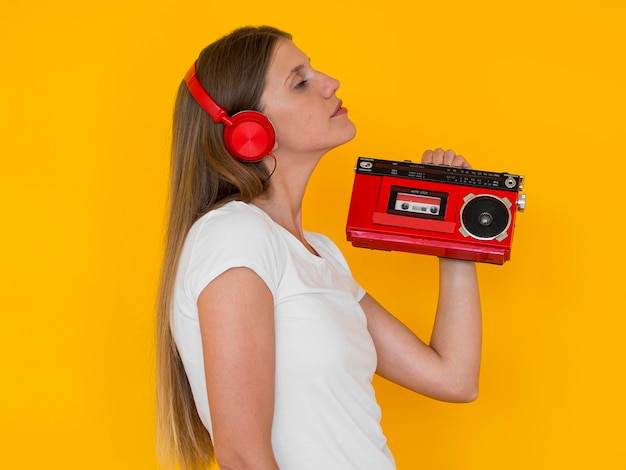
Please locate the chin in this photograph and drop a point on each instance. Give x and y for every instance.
(351, 137)
(350, 133)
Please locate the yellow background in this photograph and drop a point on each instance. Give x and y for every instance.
(533, 87)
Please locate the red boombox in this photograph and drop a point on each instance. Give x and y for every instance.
(435, 210)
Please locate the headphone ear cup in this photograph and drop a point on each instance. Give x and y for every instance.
(250, 137)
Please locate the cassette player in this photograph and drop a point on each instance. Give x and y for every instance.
(435, 210)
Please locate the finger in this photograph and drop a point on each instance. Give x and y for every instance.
(427, 157)
(458, 161)
(448, 157)
(461, 162)
(438, 155)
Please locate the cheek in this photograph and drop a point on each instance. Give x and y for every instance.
(296, 124)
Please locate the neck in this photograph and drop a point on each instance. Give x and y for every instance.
(284, 207)
(283, 199)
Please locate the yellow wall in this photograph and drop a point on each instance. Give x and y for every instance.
(533, 87)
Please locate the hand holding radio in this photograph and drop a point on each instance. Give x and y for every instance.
(445, 158)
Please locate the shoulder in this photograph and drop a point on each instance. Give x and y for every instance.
(235, 223)
(235, 214)
(234, 235)
(323, 242)
(326, 248)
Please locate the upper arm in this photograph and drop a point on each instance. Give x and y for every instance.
(236, 317)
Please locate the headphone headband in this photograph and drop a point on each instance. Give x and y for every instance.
(203, 98)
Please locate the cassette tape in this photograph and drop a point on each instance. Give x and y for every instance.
(435, 210)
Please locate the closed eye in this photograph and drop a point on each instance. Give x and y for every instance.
(301, 84)
(303, 77)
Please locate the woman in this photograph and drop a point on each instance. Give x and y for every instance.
(266, 344)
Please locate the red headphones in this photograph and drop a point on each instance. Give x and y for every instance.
(248, 135)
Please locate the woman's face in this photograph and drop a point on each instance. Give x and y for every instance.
(302, 105)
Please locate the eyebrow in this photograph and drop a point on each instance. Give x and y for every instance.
(295, 70)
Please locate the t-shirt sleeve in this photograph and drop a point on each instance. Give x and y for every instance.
(228, 239)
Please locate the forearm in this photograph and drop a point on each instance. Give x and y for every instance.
(457, 333)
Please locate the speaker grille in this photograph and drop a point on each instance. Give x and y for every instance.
(485, 217)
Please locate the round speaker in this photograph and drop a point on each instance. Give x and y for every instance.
(485, 217)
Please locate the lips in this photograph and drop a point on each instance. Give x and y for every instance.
(339, 110)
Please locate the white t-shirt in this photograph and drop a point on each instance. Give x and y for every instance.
(325, 414)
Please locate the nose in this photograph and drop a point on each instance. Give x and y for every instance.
(329, 85)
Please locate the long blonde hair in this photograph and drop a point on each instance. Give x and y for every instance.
(203, 175)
